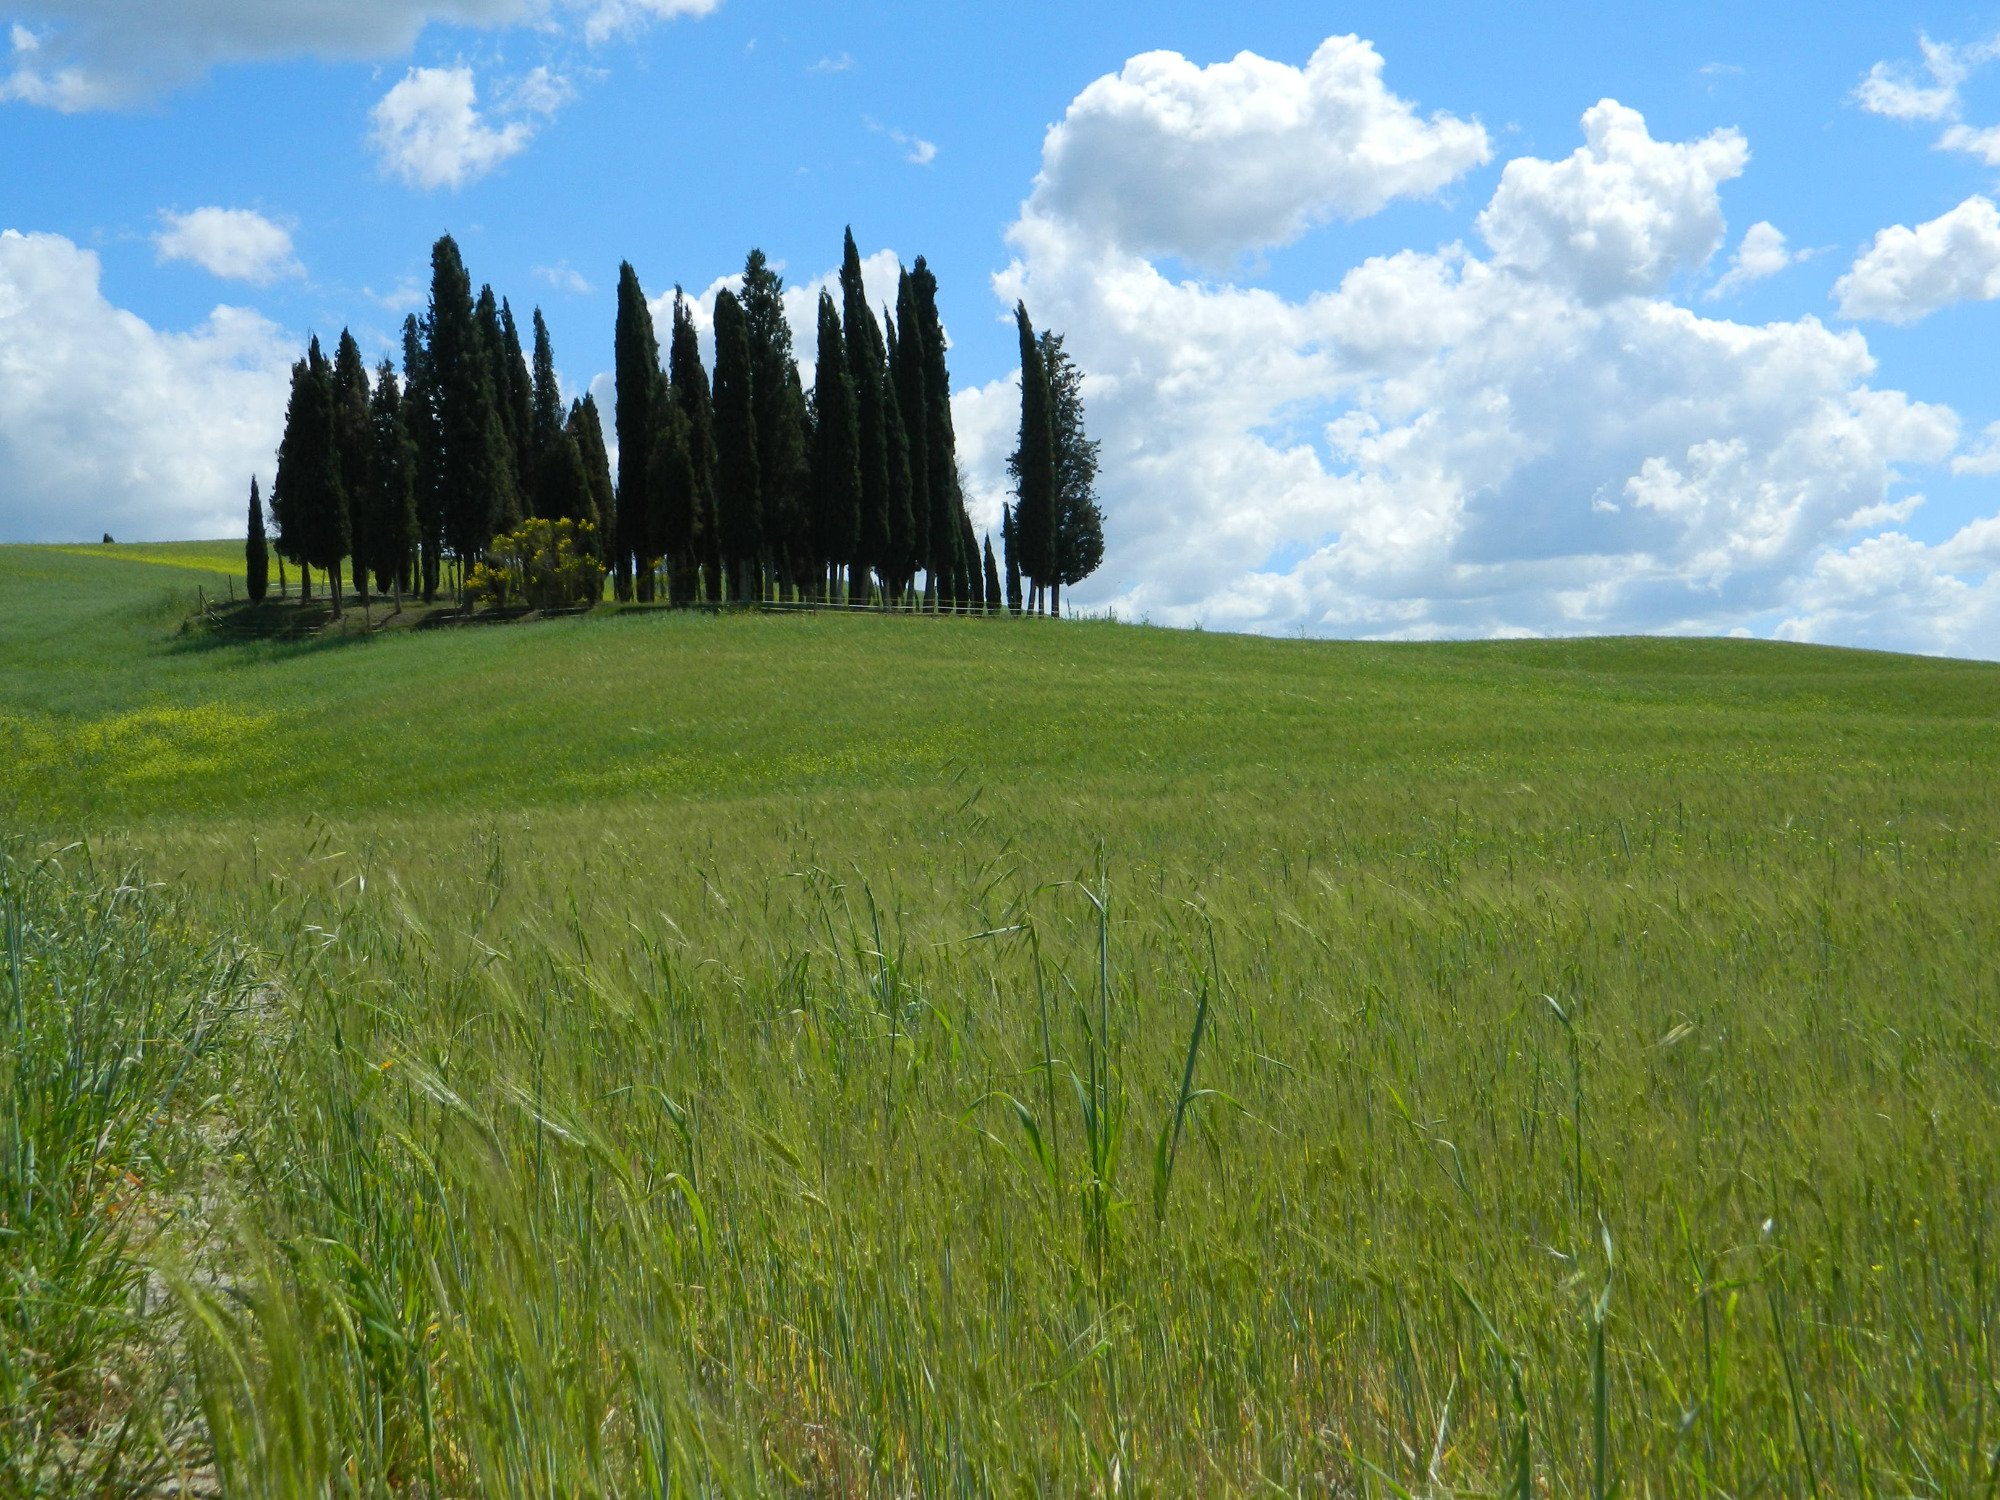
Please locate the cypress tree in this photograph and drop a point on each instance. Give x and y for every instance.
(588, 429)
(973, 588)
(691, 394)
(836, 446)
(907, 374)
(256, 551)
(899, 557)
(1079, 545)
(783, 469)
(1033, 465)
(563, 483)
(940, 440)
(504, 445)
(1013, 562)
(636, 360)
(546, 420)
(994, 597)
(670, 480)
(866, 357)
(739, 503)
(517, 397)
(354, 440)
(421, 418)
(393, 531)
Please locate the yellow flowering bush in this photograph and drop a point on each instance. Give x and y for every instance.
(543, 564)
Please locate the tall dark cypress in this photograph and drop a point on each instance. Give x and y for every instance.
(393, 531)
(972, 588)
(940, 440)
(517, 397)
(1013, 562)
(994, 598)
(836, 445)
(907, 373)
(420, 416)
(1034, 464)
(1079, 520)
(506, 440)
(783, 468)
(899, 551)
(587, 427)
(546, 416)
(670, 481)
(256, 551)
(354, 440)
(636, 359)
(866, 358)
(739, 501)
(691, 393)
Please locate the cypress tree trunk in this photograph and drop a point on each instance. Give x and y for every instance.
(1055, 599)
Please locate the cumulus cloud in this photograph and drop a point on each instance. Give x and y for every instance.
(1622, 215)
(1908, 274)
(429, 131)
(1252, 153)
(237, 244)
(1898, 91)
(77, 55)
(109, 424)
(1530, 436)
(1898, 593)
(1762, 253)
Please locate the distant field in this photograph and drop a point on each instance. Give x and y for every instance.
(224, 559)
(675, 1054)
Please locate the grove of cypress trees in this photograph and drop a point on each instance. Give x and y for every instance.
(636, 362)
(354, 440)
(1034, 466)
(993, 595)
(256, 551)
(739, 503)
(393, 531)
(866, 358)
(836, 469)
(691, 394)
(475, 466)
(940, 440)
(310, 500)
(783, 471)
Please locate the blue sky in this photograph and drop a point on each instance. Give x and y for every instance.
(1405, 335)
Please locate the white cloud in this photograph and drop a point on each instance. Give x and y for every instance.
(109, 424)
(1529, 438)
(237, 244)
(1983, 456)
(1167, 158)
(565, 279)
(839, 62)
(1900, 594)
(429, 130)
(917, 151)
(1762, 253)
(1620, 216)
(1908, 274)
(104, 54)
(1898, 92)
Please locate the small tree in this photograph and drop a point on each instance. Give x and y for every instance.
(992, 579)
(256, 552)
(543, 563)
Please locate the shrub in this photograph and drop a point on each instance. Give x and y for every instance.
(543, 564)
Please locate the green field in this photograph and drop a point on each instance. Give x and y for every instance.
(886, 1056)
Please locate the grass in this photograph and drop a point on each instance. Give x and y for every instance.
(854, 1056)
